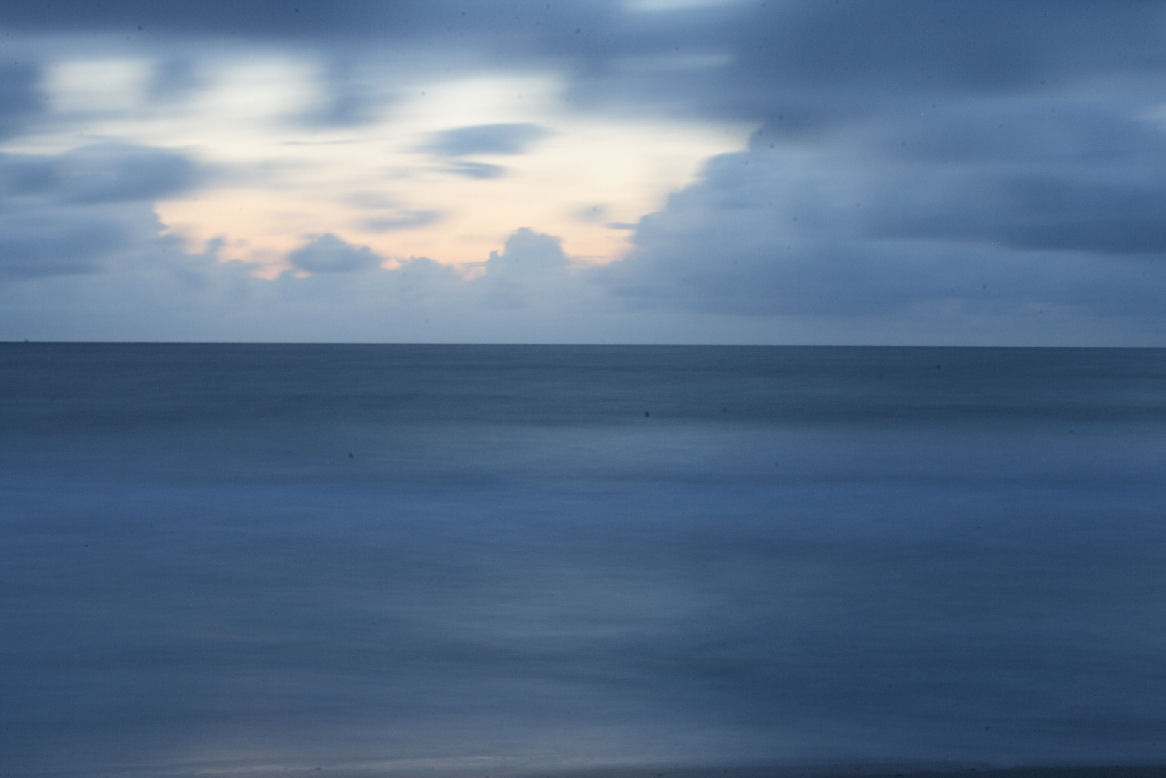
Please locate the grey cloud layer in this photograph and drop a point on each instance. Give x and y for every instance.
(59, 243)
(19, 99)
(963, 158)
(780, 58)
(402, 220)
(490, 139)
(329, 254)
(71, 213)
(482, 171)
(99, 174)
(837, 232)
(486, 139)
(806, 67)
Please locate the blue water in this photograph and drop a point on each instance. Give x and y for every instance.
(229, 559)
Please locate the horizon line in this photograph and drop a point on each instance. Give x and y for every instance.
(570, 344)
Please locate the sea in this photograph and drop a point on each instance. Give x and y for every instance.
(285, 560)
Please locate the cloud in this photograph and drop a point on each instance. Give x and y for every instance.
(530, 271)
(808, 68)
(590, 214)
(524, 287)
(503, 34)
(118, 173)
(330, 254)
(485, 139)
(1063, 173)
(173, 78)
(817, 64)
(185, 296)
(350, 96)
(420, 280)
(1047, 213)
(479, 170)
(527, 253)
(148, 289)
(817, 68)
(363, 300)
(833, 233)
(20, 100)
(402, 220)
(79, 211)
(58, 243)
(917, 162)
(100, 173)
(262, 18)
(1083, 176)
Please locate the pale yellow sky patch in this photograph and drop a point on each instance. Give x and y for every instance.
(287, 180)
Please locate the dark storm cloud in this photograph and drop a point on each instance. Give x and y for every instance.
(486, 139)
(330, 254)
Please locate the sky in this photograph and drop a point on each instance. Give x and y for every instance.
(603, 171)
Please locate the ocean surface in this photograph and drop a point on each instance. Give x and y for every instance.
(342, 560)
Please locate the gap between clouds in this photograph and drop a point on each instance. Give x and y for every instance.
(824, 234)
